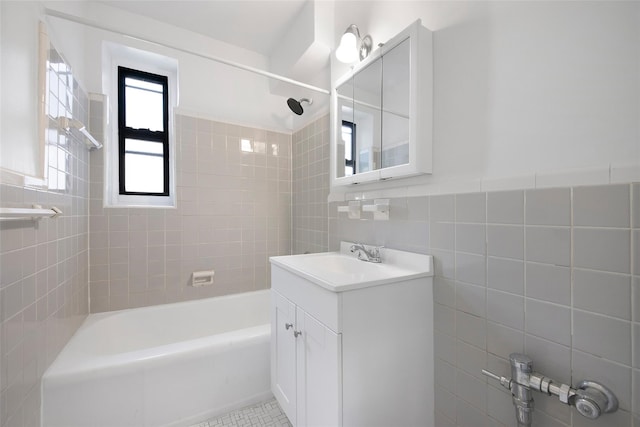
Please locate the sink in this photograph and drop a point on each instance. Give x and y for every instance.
(342, 271)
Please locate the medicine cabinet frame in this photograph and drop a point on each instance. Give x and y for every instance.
(420, 126)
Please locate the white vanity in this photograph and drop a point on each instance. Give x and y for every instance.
(352, 341)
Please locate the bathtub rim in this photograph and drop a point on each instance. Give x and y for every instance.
(66, 363)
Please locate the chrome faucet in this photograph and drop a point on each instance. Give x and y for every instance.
(590, 398)
(372, 254)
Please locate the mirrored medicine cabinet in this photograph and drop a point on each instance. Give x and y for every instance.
(381, 112)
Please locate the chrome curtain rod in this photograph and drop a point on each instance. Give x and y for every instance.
(89, 23)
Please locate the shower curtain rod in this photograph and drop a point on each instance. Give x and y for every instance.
(89, 23)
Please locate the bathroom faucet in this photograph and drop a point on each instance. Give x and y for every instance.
(369, 255)
(590, 398)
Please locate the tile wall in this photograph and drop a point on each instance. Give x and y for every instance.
(44, 263)
(234, 212)
(553, 273)
(310, 185)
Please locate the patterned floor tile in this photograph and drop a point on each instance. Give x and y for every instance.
(264, 414)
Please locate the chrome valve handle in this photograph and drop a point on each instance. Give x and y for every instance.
(288, 325)
(590, 398)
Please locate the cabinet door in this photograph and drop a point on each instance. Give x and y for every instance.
(283, 354)
(319, 373)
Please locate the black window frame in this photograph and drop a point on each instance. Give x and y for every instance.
(125, 132)
(352, 162)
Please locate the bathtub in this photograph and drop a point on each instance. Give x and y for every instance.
(166, 365)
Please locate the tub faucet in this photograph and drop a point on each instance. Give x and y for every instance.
(369, 255)
(590, 398)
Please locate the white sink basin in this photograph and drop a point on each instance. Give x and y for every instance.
(342, 271)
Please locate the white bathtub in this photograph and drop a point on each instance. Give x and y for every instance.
(167, 365)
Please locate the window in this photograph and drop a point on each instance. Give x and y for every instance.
(349, 139)
(143, 133)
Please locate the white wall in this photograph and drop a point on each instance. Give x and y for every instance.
(19, 149)
(206, 88)
(522, 88)
(20, 145)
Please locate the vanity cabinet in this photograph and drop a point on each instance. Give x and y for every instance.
(358, 357)
(305, 375)
(382, 112)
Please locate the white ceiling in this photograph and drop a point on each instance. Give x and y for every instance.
(257, 25)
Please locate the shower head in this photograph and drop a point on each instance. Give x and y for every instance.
(296, 106)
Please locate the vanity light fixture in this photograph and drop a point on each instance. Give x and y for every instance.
(352, 46)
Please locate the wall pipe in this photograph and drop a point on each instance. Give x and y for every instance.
(90, 23)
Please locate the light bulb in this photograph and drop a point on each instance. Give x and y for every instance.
(347, 52)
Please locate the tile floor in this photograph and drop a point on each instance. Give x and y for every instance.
(263, 414)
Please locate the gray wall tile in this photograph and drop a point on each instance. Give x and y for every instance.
(445, 349)
(441, 417)
(636, 346)
(549, 357)
(635, 209)
(505, 207)
(619, 418)
(602, 249)
(506, 241)
(446, 404)
(444, 319)
(602, 336)
(636, 252)
(549, 321)
(417, 208)
(471, 299)
(604, 293)
(548, 207)
(553, 408)
(471, 238)
(551, 245)
(471, 389)
(505, 275)
(442, 235)
(636, 299)
(471, 329)
(44, 265)
(471, 207)
(636, 391)
(471, 268)
(541, 419)
(503, 340)
(442, 208)
(468, 415)
(444, 263)
(471, 359)
(551, 264)
(499, 405)
(548, 282)
(506, 309)
(444, 291)
(601, 206)
(613, 375)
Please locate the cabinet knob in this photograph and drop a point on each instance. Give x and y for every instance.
(297, 333)
(288, 325)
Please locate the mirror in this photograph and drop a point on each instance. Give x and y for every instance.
(395, 112)
(367, 117)
(381, 111)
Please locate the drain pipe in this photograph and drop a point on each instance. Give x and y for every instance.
(590, 398)
(522, 396)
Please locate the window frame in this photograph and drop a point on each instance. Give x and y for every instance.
(125, 132)
(352, 162)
